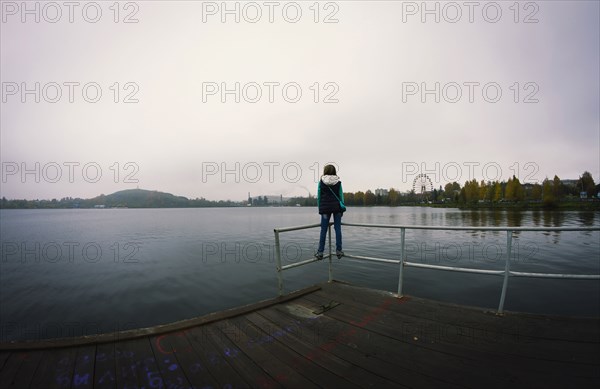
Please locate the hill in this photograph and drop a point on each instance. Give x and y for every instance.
(140, 198)
(129, 198)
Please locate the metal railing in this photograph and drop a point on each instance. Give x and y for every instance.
(506, 273)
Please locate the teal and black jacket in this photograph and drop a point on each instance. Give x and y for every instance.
(326, 200)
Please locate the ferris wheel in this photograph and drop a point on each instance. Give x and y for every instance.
(422, 184)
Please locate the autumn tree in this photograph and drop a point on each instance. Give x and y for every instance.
(392, 197)
(536, 192)
(370, 198)
(586, 184)
(359, 198)
(471, 191)
(498, 192)
(514, 190)
(548, 198)
(482, 190)
(449, 188)
(489, 191)
(557, 188)
(349, 198)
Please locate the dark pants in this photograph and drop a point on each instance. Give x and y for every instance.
(337, 226)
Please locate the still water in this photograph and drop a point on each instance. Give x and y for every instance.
(74, 272)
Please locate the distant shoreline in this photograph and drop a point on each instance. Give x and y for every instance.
(147, 199)
(570, 206)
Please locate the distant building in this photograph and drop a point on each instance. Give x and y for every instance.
(381, 192)
(569, 182)
(267, 200)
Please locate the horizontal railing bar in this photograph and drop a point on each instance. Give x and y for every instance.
(443, 228)
(303, 262)
(480, 271)
(561, 276)
(457, 269)
(295, 228)
(447, 268)
(458, 228)
(395, 261)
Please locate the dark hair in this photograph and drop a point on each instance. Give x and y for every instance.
(329, 170)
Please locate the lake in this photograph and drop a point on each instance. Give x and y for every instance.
(84, 271)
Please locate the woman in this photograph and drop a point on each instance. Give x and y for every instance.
(330, 200)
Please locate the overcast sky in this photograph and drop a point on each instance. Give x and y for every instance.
(518, 90)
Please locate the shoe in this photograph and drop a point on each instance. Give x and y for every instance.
(339, 253)
(319, 255)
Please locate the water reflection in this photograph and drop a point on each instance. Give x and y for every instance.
(497, 218)
(472, 218)
(393, 218)
(552, 218)
(536, 217)
(514, 218)
(424, 218)
(586, 218)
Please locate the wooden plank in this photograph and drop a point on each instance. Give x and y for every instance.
(487, 365)
(418, 358)
(136, 365)
(3, 358)
(128, 360)
(364, 349)
(10, 369)
(105, 367)
(83, 372)
(31, 362)
(340, 367)
(472, 333)
(168, 365)
(142, 363)
(246, 367)
(488, 337)
(254, 344)
(475, 322)
(278, 341)
(214, 359)
(55, 369)
(532, 325)
(192, 364)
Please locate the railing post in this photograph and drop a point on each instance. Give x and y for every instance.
(506, 272)
(330, 254)
(402, 259)
(278, 263)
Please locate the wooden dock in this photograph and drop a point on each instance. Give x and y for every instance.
(333, 335)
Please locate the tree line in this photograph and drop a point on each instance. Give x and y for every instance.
(548, 193)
